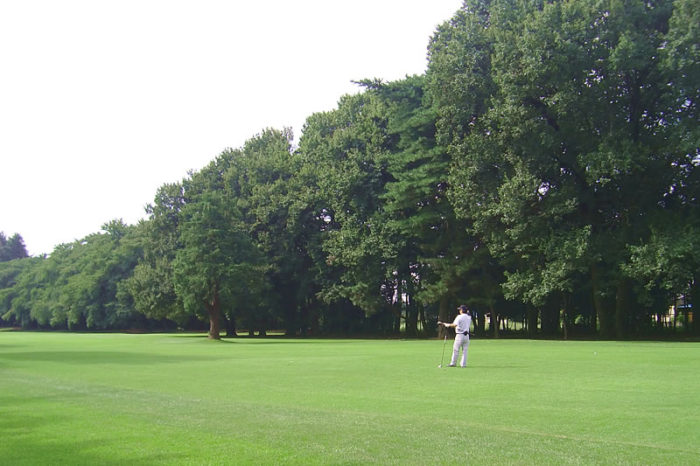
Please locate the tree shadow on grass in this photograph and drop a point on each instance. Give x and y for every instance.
(38, 429)
(203, 338)
(21, 445)
(98, 357)
(277, 339)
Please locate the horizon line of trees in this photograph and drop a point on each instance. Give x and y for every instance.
(543, 170)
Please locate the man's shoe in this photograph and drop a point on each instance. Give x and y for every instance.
(451, 365)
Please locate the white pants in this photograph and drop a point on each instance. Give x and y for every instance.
(461, 341)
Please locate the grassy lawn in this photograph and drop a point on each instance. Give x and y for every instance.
(181, 399)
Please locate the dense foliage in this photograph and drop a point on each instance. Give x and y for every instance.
(12, 247)
(544, 170)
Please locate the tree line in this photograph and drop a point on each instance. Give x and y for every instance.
(543, 170)
(12, 247)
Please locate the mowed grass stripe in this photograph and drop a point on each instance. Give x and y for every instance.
(267, 427)
(175, 399)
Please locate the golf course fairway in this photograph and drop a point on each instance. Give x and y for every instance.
(114, 399)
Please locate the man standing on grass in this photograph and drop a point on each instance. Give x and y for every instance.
(461, 324)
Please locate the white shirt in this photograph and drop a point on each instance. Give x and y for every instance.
(462, 323)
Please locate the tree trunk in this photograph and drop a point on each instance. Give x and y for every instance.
(531, 321)
(624, 303)
(602, 306)
(214, 310)
(551, 314)
(411, 307)
(480, 323)
(306, 323)
(423, 321)
(566, 303)
(313, 317)
(443, 315)
(292, 319)
(564, 325)
(494, 321)
(411, 320)
(695, 302)
(594, 317)
(230, 327)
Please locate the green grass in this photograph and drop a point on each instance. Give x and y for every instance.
(182, 399)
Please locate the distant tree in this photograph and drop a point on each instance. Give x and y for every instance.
(151, 286)
(76, 287)
(670, 260)
(12, 248)
(16, 281)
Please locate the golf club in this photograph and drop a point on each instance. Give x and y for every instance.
(443, 350)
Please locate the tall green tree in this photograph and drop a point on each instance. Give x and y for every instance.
(434, 254)
(12, 247)
(152, 291)
(346, 146)
(15, 305)
(151, 286)
(557, 117)
(412, 195)
(265, 181)
(460, 85)
(217, 262)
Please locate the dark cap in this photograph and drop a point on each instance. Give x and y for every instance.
(463, 307)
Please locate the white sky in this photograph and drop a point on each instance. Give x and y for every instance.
(102, 102)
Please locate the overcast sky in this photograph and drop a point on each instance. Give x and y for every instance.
(102, 102)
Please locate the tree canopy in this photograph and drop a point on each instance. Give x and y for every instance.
(12, 247)
(543, 170)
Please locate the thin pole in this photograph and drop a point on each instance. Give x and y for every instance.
(443, 349)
